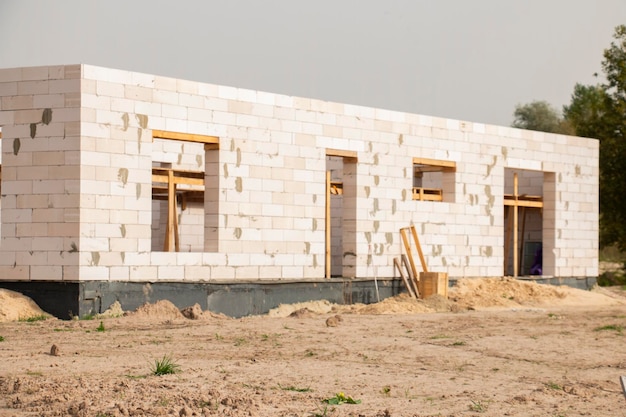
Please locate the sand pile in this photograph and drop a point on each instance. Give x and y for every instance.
(115, 310)
(490, 293)
(162, 309)
(15, 306)
(318, 307)
(467, 294)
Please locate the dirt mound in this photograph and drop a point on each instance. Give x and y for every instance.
(284, 310)
(302, 313)
(401, 303)
(490, 293)
(115, 310)
(15, 306)
(162, 309)
(193, 312)
(467, 294)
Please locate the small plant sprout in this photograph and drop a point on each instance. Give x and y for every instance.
(1, 338)
(164, 366)
(478, 406)
(240, 341)
(386, 390)
(100, 328)
(554, 386)
(341, 398)
(322, 413)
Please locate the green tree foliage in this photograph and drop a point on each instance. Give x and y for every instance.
(613, 145)
(600, 111)
(540, 115)
(587, 110)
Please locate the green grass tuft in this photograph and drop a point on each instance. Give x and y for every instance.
(615, 327)
(100, 328)
(32, 319)
(164, 366)
(294, 388)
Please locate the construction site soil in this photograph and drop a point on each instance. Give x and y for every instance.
(493, 347)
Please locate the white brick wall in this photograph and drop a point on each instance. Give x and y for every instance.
(83, 183)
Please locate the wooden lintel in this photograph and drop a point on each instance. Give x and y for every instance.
(439, 163)
(427, 168)
(341, 153)
(162, 175)
(177, 180)
(187, 137)
(520, 201)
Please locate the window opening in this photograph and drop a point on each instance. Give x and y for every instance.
(523, 219)
(433, 179)
(184, 175)
(340, 213)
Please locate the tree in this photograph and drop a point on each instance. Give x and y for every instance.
(587, 111)
(613, 145)
(600, 111)
(540, 115)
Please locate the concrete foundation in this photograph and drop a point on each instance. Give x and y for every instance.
(236, 299)
(68, 299)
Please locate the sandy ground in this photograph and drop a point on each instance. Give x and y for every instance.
(493, 348)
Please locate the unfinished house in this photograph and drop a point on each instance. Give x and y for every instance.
(134, 187)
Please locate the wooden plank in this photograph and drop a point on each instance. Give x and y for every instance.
(186, 137)
(171, 213)
(515, 226)
(444, 165)
(177, 180)
(405, 279)
(162, 175)
(418, 168)
(328, 224)
(336, 187)
(419, 249)
(521, 245)
(178, 172)
(407, 248)
(433, 283)
(175, 218)
(510, 201)
(341, 153)
(427, 194)
(413, 278)
(507, 238)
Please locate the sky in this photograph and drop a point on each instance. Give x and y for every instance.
(472, 60)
